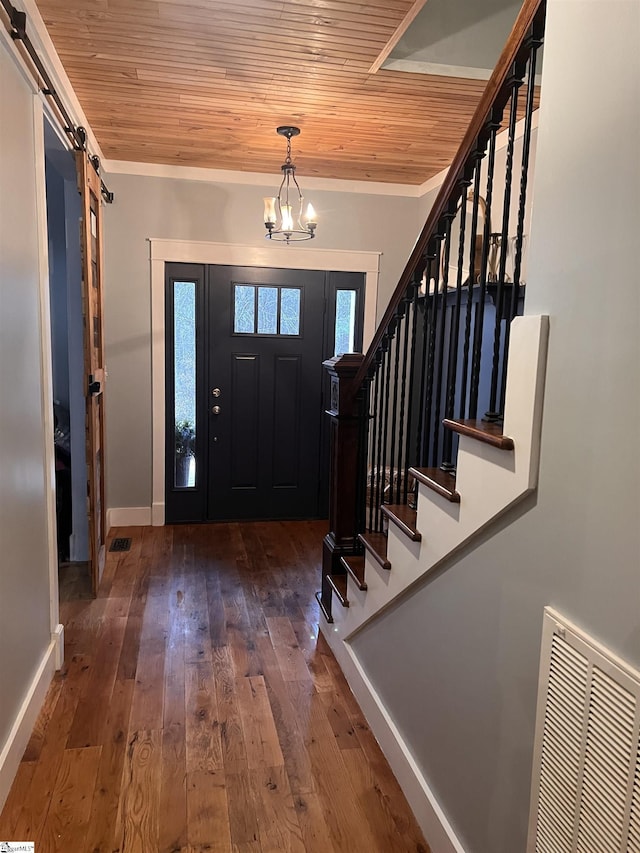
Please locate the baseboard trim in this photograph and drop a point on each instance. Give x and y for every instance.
(16, 743)
(128, 516)
(57, 638)
(434, 823)
(157, 514)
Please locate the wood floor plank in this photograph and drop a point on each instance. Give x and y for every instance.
(234, 753)
(313, 826)
(290, 658)
(247, 847)
(288, 725)
(172, 817)
(36, 741)
(207, 811)
(172, 821)
(104, 809)
(203, 745)
(138, 814)
(17, 795)
(197, 634)
(340, 721)
(70, 810)
(243, 815)
(217, 716)
(307, 637)
(148, 696)
(260, 735)
(91, 713)
(277, 819)
(347, 823)
(35, 807)
(391, 828)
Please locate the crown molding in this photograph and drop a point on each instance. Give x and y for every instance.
(256, 179)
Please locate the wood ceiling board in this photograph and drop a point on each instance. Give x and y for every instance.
(208, 83)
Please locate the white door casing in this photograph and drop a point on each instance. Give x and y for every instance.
(283, 257)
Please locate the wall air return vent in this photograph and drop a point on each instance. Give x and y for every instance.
(586, 773)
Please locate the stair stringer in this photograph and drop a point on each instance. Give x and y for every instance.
(489, 481)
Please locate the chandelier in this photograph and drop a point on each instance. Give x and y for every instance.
(279, 212)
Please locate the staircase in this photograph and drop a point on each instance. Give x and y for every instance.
(496, 467)
(436, 430)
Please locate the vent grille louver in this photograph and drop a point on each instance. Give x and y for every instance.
(586, 782)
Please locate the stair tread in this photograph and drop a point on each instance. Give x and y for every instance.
(442, 482)
(354, 564)
(376, 545)
(339, 585)
(481, 430)
(403, 517)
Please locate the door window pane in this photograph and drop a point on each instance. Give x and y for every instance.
(278, 310)
(244, 314)
(290, 311)
(267, 310)
(345, 321)
(184, 350)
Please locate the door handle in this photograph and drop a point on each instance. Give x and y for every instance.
(216, 392)
(216, 410)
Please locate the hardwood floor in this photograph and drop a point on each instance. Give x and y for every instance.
(199, 710)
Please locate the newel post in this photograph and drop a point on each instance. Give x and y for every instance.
(344, 412)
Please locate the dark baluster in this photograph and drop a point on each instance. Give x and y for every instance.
(374, 436)
(420, 439)
(514, 82)
(493, 125)
(387, 390)
(382, 431)
(477, 158)
(363, 446)
(452, 370)
(400, 317)
(412, 375)
(402, 413)
(447, 220)
(433, 323)
(534, 42)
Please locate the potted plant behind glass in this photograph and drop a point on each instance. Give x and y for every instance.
(185, 448)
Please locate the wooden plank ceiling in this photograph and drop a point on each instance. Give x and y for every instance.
(206, 82)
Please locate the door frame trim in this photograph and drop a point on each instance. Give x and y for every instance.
(163, 251)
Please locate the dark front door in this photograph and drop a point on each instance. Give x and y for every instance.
(246, 434)
(265, 372)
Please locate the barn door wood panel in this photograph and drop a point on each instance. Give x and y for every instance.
(91, 245)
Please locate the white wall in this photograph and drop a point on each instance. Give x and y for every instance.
(457, 662)
(147, 207)
(457, 33)
(26, 475)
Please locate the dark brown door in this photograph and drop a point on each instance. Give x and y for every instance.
(91, 246)
(265, 385)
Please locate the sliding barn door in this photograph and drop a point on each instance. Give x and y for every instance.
(91, 243)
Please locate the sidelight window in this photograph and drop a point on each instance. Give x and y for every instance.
(184, 367)
(345, 327)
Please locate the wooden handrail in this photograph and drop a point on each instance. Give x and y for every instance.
(495, 91)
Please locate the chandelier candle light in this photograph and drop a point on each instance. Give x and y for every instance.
(278, 212)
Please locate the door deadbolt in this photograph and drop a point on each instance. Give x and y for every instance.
(216, 392)
(216, 410)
